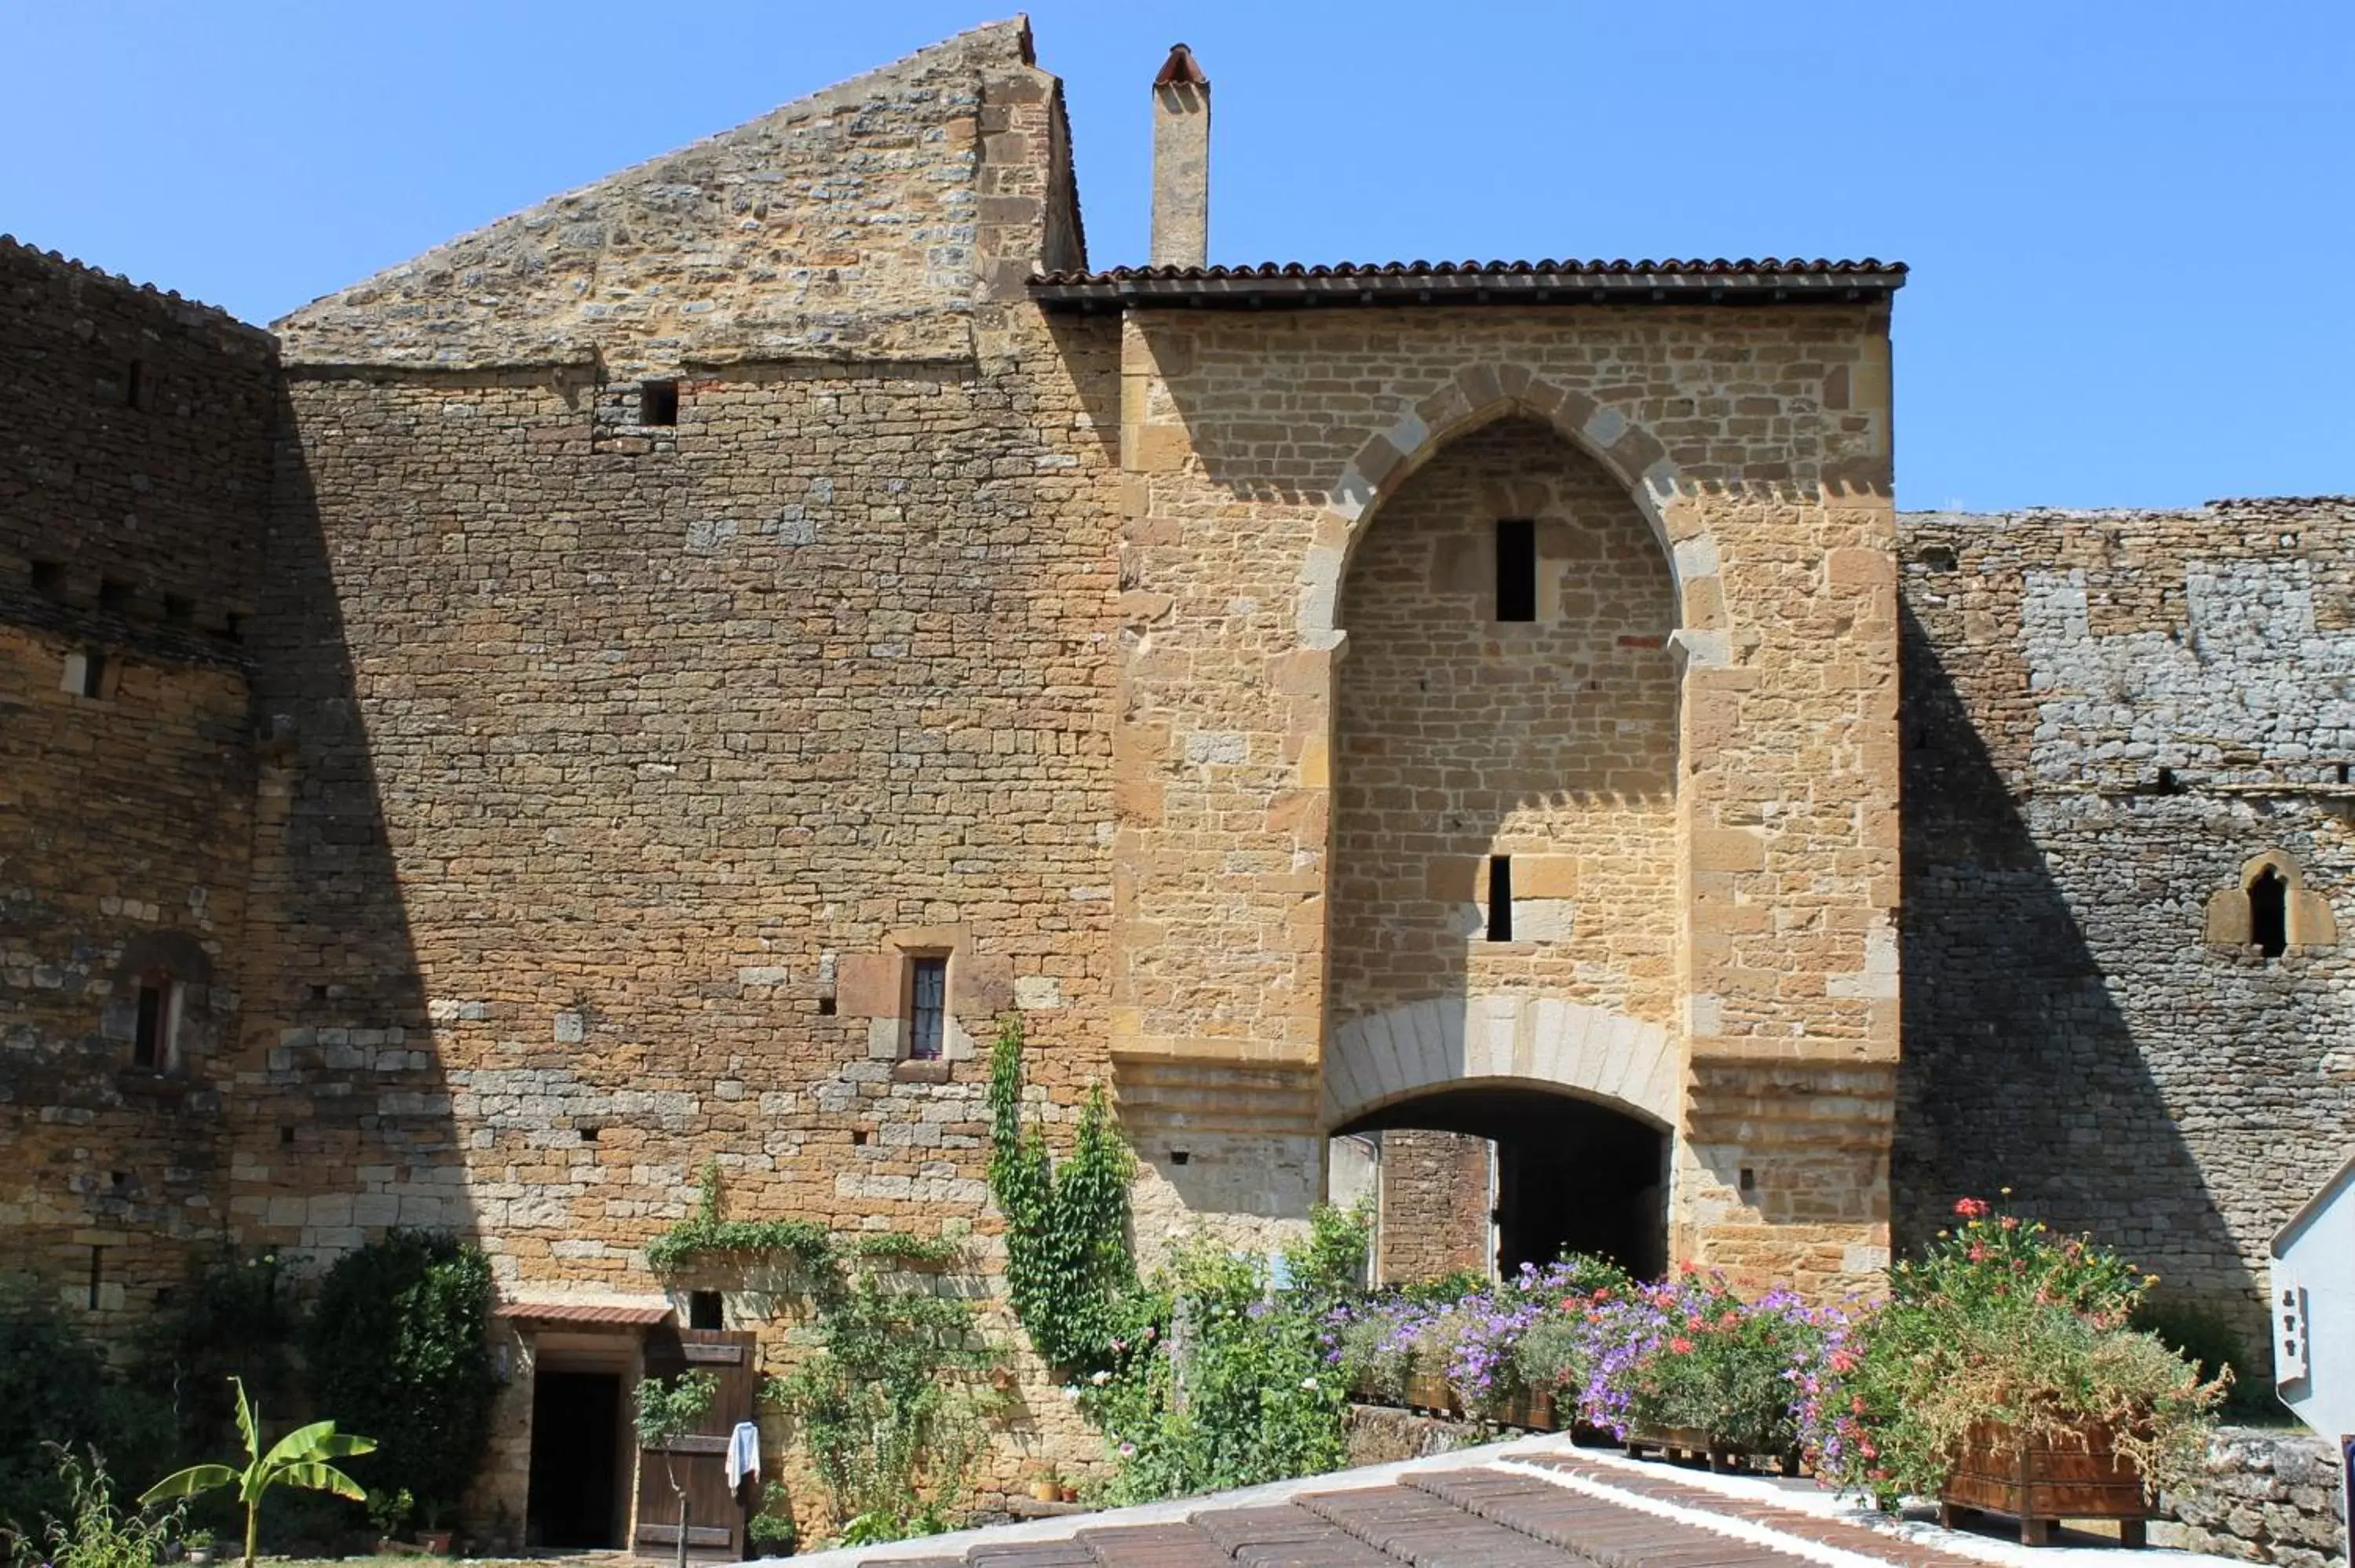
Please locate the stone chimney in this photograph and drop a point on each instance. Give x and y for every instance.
(1181, 162)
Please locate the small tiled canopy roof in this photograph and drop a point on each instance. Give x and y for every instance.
(1471, 283)
(593, 1314)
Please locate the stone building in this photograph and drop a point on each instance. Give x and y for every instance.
(653, 681)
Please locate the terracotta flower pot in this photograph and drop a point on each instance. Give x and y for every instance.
(1045, 1490)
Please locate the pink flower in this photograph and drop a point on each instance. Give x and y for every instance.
(1681, 1345)
(1971, 1208)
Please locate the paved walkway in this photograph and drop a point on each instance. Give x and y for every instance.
(1535, 1503)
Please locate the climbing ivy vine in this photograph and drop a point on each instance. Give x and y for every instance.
(707, 1232)
(1069, 1270)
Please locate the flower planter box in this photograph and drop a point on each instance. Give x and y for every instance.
(1690, 1443)
(2041, 1482)
(1532, 1409)
(1435, 1395)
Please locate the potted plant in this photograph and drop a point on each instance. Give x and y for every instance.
(430, 1533)
(2003, 1374)
(388, 1511)
(1045, 1485)
(198, 1545)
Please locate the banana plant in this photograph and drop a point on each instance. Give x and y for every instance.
(298, 1459)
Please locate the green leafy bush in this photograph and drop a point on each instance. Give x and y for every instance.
(87, 1530)
(883, 1409)
(235, 1319)
(1244, 1393)
(57, 1389)
(399, 1347)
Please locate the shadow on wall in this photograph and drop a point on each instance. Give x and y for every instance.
(344, 1122)
(2020, 1069)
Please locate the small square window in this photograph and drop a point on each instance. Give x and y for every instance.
(706, 1310)
(177, 610)
(928, 995)
(659, 402)
(114, 594)
(49, 577)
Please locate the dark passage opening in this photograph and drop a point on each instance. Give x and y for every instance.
(1517, 569)
(575, 1426)
(1571, 1175)
(2269, 913)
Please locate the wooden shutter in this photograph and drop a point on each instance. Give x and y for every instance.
(715, 1532)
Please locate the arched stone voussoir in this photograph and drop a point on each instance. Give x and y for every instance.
(1478, 395)
(1527, 1039)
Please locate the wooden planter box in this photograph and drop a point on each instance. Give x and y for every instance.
(2041, 1483)
(1532, 1409)
(1436, 1394)
(1690, 1443)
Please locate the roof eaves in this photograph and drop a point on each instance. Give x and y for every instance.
(1516, 282)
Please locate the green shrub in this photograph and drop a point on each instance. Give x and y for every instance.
(881, 1409)
(1248, 1393)
(235, 1319)
(398, 1348)
(2206, 1336)
(57, 1389)
(87, 1530)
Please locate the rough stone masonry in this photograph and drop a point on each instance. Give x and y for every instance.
(523, 728)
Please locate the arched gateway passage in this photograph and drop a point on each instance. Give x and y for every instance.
(1536, 1172)
(1505, 911)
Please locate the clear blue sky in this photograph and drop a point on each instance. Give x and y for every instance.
(2131, 222)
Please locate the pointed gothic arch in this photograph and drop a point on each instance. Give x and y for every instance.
(1480, 394)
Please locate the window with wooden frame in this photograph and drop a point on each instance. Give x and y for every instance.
(928, 1002)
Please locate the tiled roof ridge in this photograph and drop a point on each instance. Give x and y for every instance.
(59, 261)
(1670, 267)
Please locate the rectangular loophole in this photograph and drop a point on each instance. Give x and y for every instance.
(1500, 898)
(1517, 569)
(658, 403)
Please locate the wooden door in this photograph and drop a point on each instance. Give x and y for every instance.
(715, 1519)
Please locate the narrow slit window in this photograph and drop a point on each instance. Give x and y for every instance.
(1500, 898)
(147, 1037)
(2269, 913)
(658, 403)
(928, 993)
(1517, 569)
(135, 384)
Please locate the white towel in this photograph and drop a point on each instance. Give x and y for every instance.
(743, 1453)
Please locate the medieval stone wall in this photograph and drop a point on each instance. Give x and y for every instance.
(2110, 719)
(133, 491)
(1433, 1219)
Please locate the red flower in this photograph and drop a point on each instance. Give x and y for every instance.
(2011, 1221)
(1681, 1346)
(1979, 1253)
(1971, 1208)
